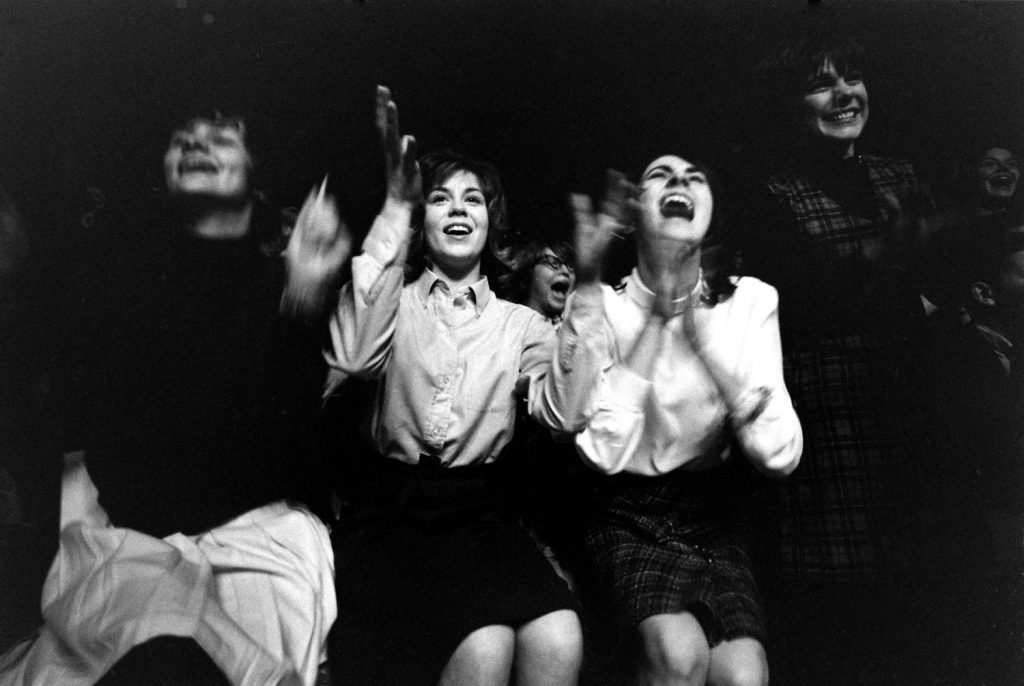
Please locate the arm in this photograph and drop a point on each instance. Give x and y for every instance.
(559, 398)
(363, 324)
(754, 391)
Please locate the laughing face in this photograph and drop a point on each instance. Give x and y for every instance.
(676, 200)
(455, 223)
(208, 159)
(551, 280)
(998, 173)
(835, 106)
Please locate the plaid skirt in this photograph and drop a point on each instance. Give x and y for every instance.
(675, 543)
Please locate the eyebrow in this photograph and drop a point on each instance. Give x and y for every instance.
(690, 169)
(471, 189)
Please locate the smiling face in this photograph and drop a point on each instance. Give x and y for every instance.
(997, 174)
(455, 223)
(208, 159)
(676, 201)
(834, 106)
(551, 281)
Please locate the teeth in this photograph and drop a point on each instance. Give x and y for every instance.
(681, 199)
(842, 116)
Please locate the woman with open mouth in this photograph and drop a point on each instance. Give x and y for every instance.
(983, 203)
(438, 581)
(688, 392)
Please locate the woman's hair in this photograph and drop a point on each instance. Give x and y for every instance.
(515, 284)
(435, 169)
(786, 70)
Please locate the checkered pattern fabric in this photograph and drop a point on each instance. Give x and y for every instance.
(671, 543)
(838, 511)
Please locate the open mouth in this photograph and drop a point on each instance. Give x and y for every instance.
(457, 230)
(1002, 181)
(196, 164)
(560, 287)
(842, 116)
(677, 205)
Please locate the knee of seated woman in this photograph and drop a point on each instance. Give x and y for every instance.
(674, 648)
(489, 645)
(740, 662)
(557, 635)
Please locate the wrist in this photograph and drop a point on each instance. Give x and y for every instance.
(397, 210)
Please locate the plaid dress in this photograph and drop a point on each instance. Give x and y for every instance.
(846, 325)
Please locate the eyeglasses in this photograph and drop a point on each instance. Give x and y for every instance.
(554, 263)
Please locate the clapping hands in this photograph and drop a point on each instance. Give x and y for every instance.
(594, 232)
(317, 250)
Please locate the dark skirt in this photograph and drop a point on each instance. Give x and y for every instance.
(674, 543)
(425, 556)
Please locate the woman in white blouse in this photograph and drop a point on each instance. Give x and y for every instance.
(689, 381)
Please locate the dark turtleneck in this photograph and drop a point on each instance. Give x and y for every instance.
(216, 394)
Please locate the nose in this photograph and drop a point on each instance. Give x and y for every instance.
(679, 177)
(457, 207)
(193, 142)
(842, 92)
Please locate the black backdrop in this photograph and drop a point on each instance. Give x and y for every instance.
(551, 91)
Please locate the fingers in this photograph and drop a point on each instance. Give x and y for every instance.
(582, 209)
(383, 98)
(387, 125)
(410, 167)
(318, 219)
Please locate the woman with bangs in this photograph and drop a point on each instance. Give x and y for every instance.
(438, 581)
(687, 382)
(832, 238)
(830, 228)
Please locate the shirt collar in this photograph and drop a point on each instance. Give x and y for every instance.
(644, 297)
(479, 292)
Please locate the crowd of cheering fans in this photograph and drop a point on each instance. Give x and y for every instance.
(791, 435)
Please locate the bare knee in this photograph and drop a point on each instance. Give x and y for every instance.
(483, 657)
(674, 650)
(549, 649)
(741, 662)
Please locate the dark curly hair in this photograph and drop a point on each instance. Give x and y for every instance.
(435, 169)
(515, 283)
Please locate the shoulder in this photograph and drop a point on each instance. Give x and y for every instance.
(753, 294)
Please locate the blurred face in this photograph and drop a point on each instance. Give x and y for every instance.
(834, 106)
(998, 173)
(208, 160)
(455, 222)
(552, 280)
(675, 200)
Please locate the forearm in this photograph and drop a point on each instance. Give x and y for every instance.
(363, 322)
(581, 351)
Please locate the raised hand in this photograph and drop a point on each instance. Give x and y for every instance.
(318, 248)
(594, 232)
(403, 173)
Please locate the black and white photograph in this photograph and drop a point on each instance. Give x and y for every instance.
(511, 343)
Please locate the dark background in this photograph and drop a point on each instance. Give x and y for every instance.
(551, 91)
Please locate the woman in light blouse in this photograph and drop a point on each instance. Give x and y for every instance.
(438, 581)
(688, 358)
